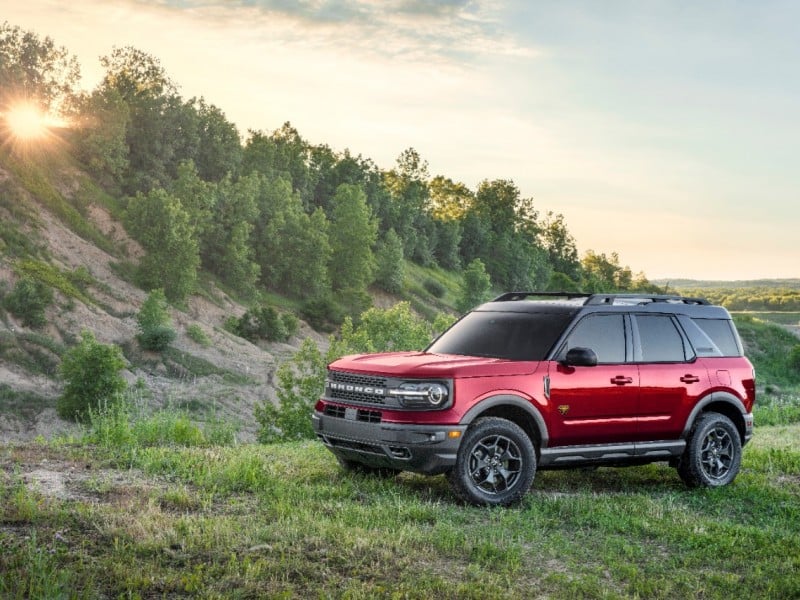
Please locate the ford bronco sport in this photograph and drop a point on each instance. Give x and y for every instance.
(549, 380)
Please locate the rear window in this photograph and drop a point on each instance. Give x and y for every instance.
(722, 334)
(508, 335)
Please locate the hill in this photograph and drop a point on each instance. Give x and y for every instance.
(224, 377)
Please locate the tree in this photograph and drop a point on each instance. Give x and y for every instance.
(219, 152)
(91, 371)
(353, 233)
(164, 229)
(227, 244)
(101, 124)
(560, 246)
(390, 266)
(155, 326)
(34, 69)
(292, 247)
(476, 286)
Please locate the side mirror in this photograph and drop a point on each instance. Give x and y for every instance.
(580, 357)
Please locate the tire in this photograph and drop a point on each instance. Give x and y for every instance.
(352, 466)
(496, 464)
(713, 452)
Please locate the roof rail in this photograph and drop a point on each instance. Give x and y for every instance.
(522, 295)
(604, 298)
(644, 299)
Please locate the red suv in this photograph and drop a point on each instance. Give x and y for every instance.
(549, 380)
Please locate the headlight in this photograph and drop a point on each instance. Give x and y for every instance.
(423, 394)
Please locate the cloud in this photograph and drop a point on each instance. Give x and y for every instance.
(446, 31)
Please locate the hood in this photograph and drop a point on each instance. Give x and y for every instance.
(423, 364)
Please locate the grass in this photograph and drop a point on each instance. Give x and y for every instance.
(768, 346)
(164, 519)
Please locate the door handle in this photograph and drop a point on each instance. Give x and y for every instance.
(621, 380)
(688, 378)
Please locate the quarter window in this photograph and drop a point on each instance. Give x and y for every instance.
(660, 339)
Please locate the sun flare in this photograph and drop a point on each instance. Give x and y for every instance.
(26, 122)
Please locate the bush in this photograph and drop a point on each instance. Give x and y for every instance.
(28, 300)
(91, 371)
(435, 288)
(263, 323)
(322, 313)
(155, 326)
(196, 334)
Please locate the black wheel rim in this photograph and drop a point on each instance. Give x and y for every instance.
(495, 464)
(717, 453)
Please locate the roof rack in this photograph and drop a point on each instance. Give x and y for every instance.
(630, 298)
(522, 295)
(644, 299)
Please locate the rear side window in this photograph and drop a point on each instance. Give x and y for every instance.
(722, 334)
(660, 340)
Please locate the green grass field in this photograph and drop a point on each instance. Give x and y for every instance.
(252, 521)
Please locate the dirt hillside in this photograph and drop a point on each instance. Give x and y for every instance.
(242, 372)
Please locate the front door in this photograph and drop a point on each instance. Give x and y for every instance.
(595, 405)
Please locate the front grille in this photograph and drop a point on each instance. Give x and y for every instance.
(363, 415)
(353, 445)
(349, 387)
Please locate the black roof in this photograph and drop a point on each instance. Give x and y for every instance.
(579, 302)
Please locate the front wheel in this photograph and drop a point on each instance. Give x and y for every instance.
(713, 452)
(496, 464)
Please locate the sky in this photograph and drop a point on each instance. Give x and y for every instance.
(667, 131)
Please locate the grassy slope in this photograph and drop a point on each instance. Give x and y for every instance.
(254, 521)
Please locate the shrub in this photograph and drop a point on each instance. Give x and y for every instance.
(28, 300)
(91, 371)
(263, 323)
(155, 326)
(435, 288)
(322, 313)
(196, 334)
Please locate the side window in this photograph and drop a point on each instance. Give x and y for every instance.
(660, 339)
(605, 334)
(721, 331)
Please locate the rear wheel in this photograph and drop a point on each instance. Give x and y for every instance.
(713, 452)
(496, 464)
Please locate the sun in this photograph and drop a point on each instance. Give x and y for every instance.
(26, 122)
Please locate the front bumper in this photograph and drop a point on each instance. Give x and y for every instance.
(428, 449)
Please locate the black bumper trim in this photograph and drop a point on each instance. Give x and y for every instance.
(424, 449)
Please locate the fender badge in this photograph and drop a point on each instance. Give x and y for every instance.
(563, 409)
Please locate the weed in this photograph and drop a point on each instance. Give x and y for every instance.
(196, 334)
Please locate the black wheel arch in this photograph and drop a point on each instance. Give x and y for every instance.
(723, 403)
(515, 409)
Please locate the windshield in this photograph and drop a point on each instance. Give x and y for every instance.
(508, 335)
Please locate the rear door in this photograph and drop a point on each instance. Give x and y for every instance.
(595, 405)
(672, 380)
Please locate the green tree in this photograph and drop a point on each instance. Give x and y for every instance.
(100, 125)
(560, 246)
(155, 325)
(91, 371)
(476, 286)
(227, 245)
(34, 69)
(390, 266)
(292, 247)
(353, 233)
(164, 229)
(29, 300)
